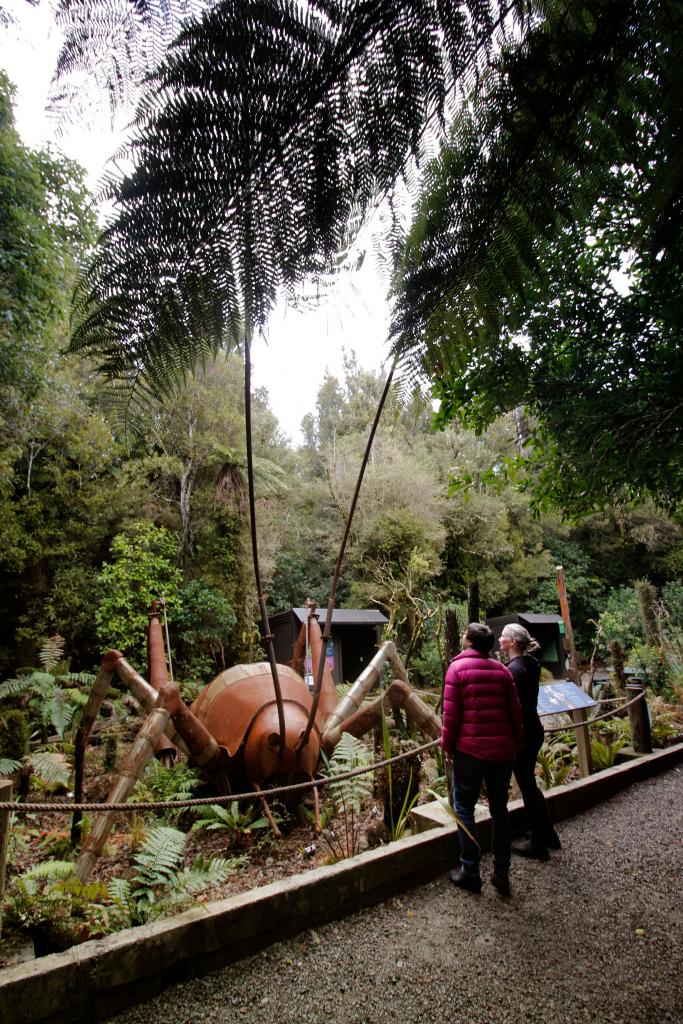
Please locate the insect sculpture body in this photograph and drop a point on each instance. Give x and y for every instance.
(232, 730)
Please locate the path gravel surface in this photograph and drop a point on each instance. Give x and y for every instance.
(596, 935)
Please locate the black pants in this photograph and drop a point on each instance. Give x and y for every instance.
(540, 822)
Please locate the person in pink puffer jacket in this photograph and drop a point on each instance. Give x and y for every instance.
(481, 734)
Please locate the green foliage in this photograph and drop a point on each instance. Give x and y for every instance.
(620, 619)
(14, 735)
(604, 753)
(160, 883)
(52, 702)
(204, 622)
(142, 569)
(554, 762)
(239, 820)
(159, 784)
(56, 908)
(666, 725)
(554, 190)
(347, 795)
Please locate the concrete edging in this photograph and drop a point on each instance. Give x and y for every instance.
(100, 978)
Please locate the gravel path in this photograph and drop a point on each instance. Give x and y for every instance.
(595, 935)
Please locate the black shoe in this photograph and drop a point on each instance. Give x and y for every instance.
(553, 841)
(470, 882)
(526, 848)
(501, 883)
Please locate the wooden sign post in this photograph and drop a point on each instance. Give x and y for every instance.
(568, 698)
(572, 667)
(5, 795)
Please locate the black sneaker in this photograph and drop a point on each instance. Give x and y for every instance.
(470, 882)
(501, 883)
(526, 848)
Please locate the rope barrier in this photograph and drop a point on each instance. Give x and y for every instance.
(589, 721)
(68, 808)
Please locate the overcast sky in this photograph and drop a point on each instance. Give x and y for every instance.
(300, 346)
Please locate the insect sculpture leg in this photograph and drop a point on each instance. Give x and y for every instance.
(139, 754)
(398, 695)
(350, 704)
(97, 695)
(266, 810)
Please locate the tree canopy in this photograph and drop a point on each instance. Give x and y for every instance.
(543, 268)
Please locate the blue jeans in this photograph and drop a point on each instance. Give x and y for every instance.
(468, 775)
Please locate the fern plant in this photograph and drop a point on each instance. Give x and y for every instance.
(239, 821)
(160, 883)
(347, 795)
(167, 785)
(604, 753)
(554, 761)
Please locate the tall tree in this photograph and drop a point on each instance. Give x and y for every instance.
(564, 171)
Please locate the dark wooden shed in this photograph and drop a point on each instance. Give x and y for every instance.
(353, 641)
(548, 630)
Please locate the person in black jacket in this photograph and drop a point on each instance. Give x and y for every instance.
(520, 647)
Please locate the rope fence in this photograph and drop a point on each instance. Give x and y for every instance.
(64, 807)
(590, 721)
(328, 780)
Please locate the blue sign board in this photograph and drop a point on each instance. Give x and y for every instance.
(555, 698)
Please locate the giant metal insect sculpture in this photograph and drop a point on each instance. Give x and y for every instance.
(232, 730)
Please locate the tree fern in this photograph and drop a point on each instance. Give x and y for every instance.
(269, 128)
(502, 296)
(116, 43)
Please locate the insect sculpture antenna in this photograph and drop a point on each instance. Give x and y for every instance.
(337, 569)
(267, 635)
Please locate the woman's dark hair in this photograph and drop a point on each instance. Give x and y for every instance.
(480, 637)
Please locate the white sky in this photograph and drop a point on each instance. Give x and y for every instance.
(300, 346)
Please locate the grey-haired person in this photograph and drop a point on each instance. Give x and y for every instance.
(520, 647)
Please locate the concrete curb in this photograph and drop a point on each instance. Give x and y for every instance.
(100, 978)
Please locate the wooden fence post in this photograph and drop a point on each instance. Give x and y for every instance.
(583, 742)
(6, 789)
(639, 719)
(573, 669)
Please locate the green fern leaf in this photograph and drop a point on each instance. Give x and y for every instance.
(8, 766)
(50, 767)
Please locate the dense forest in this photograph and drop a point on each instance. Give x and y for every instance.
(104, 509)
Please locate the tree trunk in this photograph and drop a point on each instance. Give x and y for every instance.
(452, 634)
(473, 601)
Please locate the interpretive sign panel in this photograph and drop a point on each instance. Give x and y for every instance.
(554, 698)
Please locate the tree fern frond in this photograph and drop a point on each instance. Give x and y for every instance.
(525, 161)
(269, 127)
(50, 767)
(13, 687)
(8, 766)
(52, 652)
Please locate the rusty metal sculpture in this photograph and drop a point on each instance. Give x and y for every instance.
(232, 732)
(254, 725)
